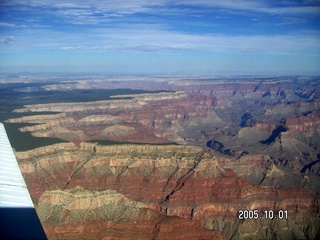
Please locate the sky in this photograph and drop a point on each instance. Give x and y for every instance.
(190, 37)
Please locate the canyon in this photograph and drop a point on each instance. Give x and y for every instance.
(178, 163)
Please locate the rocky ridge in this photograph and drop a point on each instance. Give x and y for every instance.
(249, 144)
(170, 181)
(274, 117)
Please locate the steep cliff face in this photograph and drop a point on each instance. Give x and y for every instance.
(150, 118)
(249, 144)
(197, 112)
(120, 183)
(79, 213)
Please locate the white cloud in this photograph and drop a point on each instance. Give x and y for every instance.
(4, 24)
(144, 39)
(125, 7)
(156, 38)
(70, 47)
(259, 6)
(126, 36)
(6, 39)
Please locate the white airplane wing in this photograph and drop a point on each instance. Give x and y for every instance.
(18, 218)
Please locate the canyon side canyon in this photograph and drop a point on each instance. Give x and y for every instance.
(171, 158)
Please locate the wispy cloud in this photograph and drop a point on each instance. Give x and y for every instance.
(264, 6)
(292, 20)
(70, 47)
(246, 27)
(114, 29)
(155, 39)
(4, 24)
(139, 37)
(96, 11)
(6, 39)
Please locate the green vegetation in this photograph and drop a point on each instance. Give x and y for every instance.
(110, 142)
(14, 96)
(23, 141)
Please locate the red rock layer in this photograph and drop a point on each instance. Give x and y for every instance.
(175, 181)
(303, 123)
(159, 227)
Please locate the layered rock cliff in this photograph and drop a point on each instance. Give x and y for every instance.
(79, 213)
(173, 184)
(250, 144)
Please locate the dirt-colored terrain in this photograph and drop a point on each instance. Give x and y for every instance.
(119, 184)
(227, 145)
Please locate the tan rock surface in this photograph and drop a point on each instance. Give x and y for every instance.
(120, 182)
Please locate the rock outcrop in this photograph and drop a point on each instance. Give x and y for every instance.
(249, 144)
(181, 185)
(79, 213)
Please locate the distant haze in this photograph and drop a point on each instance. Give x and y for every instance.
(160, 37)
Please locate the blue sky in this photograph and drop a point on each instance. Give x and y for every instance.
(161, 37)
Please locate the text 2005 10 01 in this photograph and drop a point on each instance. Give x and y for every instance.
(267, 214)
